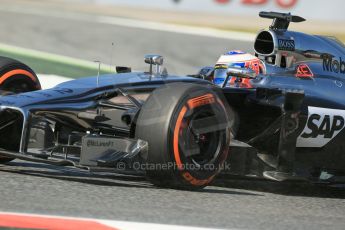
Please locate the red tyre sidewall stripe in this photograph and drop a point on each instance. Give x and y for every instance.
(176, 137)
(12, 73)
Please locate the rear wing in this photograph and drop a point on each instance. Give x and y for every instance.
(281, 21)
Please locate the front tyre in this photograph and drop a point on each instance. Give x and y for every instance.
(187, 127)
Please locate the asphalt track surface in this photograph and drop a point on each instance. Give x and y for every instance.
(229, 203)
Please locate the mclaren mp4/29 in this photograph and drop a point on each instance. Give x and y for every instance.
(287, 123)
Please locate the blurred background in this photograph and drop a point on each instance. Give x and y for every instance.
(188, 33)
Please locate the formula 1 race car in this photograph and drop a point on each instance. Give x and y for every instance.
(285, 123)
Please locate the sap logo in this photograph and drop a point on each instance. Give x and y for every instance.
(332, 65)
(288, 45)
(322, 126)
(326, 128)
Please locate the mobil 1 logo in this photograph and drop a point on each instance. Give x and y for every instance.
(322, 126)
(333, 65)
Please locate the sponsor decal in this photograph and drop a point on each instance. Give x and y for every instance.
(44, 94)
(303, 71)
(330, 64)
(99, 143)
(288, 45)
(63, 90)
(286, 3)
(280, 3)
(322, 126)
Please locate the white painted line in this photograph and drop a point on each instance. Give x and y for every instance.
(182, 29)
(49, 81)
(123, 225)
(47, 221)
(139, 24)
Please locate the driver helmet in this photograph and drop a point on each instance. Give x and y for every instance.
(240, 59)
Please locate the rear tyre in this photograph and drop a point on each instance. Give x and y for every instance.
(15, 77)
(187, 127)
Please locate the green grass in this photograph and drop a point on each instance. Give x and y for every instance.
(44, 63)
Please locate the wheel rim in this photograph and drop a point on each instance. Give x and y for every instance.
(16, 88)
(200, 148)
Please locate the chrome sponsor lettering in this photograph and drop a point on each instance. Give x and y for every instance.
(288, 45)
(99, 143)
(330, 64)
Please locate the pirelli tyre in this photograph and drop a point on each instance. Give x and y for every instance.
(15, 77)
(187, 127)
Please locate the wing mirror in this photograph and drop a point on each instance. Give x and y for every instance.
(241, 72)
(156, 60)
(206, 72)
(153, 59)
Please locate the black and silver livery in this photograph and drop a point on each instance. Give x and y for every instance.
(182, 130)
